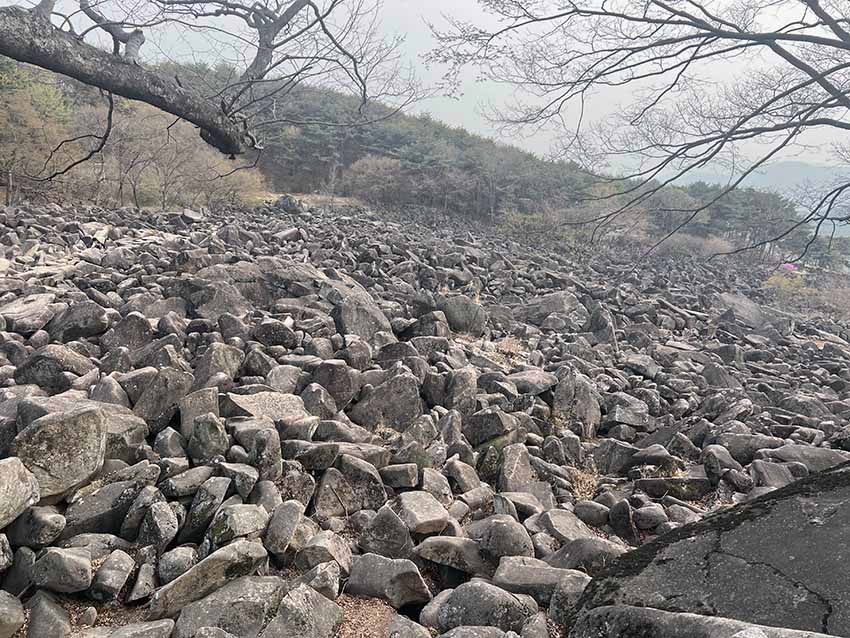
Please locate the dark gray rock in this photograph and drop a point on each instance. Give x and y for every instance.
(63, 570)
(63, 450)
(482, 604)
(397, 581)
(47, 366)
(12, 615)
(241, 607)
(304, 612)
(623, 621)
(47, 617)
(693, 569)
(240, 558)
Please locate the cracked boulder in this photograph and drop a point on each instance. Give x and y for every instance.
(241, 607)
(769, 562)
(64, 449)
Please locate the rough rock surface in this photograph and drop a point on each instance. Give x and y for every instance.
(789, 582)
(227, 419)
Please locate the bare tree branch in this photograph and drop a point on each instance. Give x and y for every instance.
(691, 107)
(282, 42)
(101, 143)
(25, 37)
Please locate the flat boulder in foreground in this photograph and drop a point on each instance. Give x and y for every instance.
(770, 562)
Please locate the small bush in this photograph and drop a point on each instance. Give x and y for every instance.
(785, 282)
(685, 245)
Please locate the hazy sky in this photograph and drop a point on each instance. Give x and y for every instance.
(410, 18)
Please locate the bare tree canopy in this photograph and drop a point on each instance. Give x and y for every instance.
(280, 43)
(711, 81)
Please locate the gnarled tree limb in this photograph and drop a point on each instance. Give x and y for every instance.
(26, 36)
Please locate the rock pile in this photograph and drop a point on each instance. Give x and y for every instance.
(213, 426)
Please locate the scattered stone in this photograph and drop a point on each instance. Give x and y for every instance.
(228, 563)
(365, 403)
(395, 580)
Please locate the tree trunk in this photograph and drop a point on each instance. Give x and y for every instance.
(26, 37)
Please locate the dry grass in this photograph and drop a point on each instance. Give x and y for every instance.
(832, 302)
(22, 632)
(584, 483)
(364, 617)
(509, 352)
(554, 629)
(319, 199)
(684, 245)
(511, 346)
(308, 199)
(661, 471)
(108, 615)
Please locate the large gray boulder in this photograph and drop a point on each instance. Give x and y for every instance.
(160, 399)
(79, 320)
(360, 316)
(464, 315)
(18, 490)
(479, 603)
(240, 558)
(63, 570)
(394, 403)
(52, 368)
(627, 622)
(28, 314)
(63, 450)
(562, 303)
(305, 612)
(12, 615)
(241, 607)
(771, 562)
(397, 581)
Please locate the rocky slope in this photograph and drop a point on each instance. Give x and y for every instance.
(211, 426)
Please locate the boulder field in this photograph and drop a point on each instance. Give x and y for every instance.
(246, 424)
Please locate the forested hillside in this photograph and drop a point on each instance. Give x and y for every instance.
(48, 125)
(396, 159)
(327, 142)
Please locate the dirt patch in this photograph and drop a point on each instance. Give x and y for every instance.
(584, 483)
(364, 617)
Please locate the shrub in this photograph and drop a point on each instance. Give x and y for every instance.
(685, 245)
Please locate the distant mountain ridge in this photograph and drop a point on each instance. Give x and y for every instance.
(784, 177)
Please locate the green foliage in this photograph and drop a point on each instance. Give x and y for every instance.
(427, 162)
(33, 120)
(785, 282)
(318, 140)
(148, 160)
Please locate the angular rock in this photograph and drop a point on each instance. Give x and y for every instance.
(241, 607)
(240, 558)
(421, 512)
(63, 450)
(18, 490)
(748, 545)
(482, 604)
(63, 570)
(304, 612)
(47, 366)
(395, 580)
